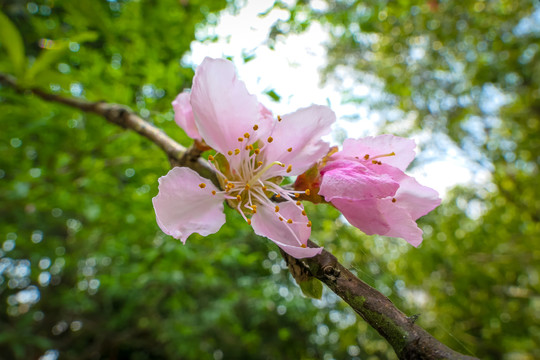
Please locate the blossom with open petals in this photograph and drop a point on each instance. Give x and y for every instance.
(254, 151)
(367, 183)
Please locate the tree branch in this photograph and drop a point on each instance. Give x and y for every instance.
(408, 339)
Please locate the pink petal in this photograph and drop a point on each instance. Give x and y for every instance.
(352, 180)
(401, 223)
(417, 199)
(183, 115)
(289, 237)
(223, 108)
(381, 145)
(182, 207)
(301, 132)
(363, 214)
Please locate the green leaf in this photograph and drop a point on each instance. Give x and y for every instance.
(311, 288)
(273, 95)
(49, 56)
(11, 40)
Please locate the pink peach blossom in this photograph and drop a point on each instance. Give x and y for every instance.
(367, 183)
(254, 151)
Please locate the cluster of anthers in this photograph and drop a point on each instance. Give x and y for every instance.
(249, 183)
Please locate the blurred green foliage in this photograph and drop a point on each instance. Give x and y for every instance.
(86, 272)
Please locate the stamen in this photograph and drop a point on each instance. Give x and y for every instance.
(236, 151)
(213, 192)
(308, 192)
(298, 203)
(210, 158)
(394, 200)
(259, 163)
(270, 139)
(249, 221)
(304, 212)
(303, 246)
(246, 187)
(280, 218)
(289, 221)
(297, 195)
(374, 161)
(279, 118)
(309, 224)
(289, 168)
(229, 152)
(240, 139)
(238, 197)
(246, 135)
(257, 151)
(255, 127)
(277, 208)
(366, 156)
(202, 185)
(264, 188)
(278, 195)
(289, 149)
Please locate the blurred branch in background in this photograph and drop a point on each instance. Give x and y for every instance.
(408, 339)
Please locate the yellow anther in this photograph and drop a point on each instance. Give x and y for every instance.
(249, 221)
(308, 192)
(247, 147)
(282, 165)
(259, 163)
(254, 207)
(394, 200)
(303, 246)
(297, 195)
(304, 212)
(280, 218)
(246, 187)
(289, 221)
(270, 139)
(213, 192)
(264, 188)
(238, 197)
(277, 208)
(254, 211)
(278, 195)
(255, 127)
(379, 163)
(374, 161)
(226, 181)
(366, 156)
(240, 139)
(257, 151)
(289, 168)
(202, 185)
(298, 203)
(309, 224)
(289, 149)
(246, 135)
(236, 151)
(210, 158)
(279, 118)
(229, 152)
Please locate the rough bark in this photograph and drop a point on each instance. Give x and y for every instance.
(409, 340)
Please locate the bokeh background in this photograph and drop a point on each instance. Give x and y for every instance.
(85, 273)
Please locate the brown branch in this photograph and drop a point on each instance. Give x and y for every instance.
(126, 118)
(408, 339)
